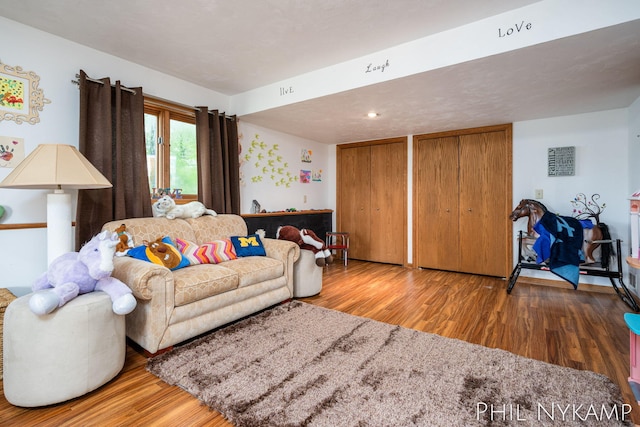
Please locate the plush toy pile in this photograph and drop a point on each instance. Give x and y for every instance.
(76, 273)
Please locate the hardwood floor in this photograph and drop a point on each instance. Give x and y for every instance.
(578, 329)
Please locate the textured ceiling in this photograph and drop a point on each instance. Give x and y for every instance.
(235, 46)
(591, 72)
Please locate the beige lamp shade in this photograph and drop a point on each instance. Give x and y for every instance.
(59, 167)
(55, 166)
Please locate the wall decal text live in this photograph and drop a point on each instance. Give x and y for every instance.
(371, 68)
(286, 90)
(515, 29)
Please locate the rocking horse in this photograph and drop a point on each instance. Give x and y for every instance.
(593, 235)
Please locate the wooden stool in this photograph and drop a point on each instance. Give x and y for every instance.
(338, 240)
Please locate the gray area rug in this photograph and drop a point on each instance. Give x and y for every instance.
(299, 364)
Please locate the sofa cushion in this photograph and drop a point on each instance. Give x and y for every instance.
(255, 269)
(201, 281)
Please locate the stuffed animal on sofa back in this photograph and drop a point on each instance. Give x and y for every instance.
(125, 241)
(76, 273)
(306, 239)
(165, 206)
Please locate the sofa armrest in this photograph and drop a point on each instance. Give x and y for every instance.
(153, 287)
(140, 277)
(285, 251)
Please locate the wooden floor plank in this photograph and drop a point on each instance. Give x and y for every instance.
(582, 330)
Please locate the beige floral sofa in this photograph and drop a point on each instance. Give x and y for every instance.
(175, 305)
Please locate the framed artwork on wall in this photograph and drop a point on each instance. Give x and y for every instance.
(20, 98)
(11, 151)
(561, 161)
(305, 176)
(305, 155)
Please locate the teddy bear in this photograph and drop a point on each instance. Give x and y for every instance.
(75, 273)
(308, 240)
(125, 242)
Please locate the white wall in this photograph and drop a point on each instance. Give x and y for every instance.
(276, 185)
(602, 148)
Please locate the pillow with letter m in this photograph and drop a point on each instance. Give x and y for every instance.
(250, 245)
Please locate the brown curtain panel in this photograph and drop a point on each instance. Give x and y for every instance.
(218, 162)
(112, 139)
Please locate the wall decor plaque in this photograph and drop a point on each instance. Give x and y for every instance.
(562, 161)
(20, 97)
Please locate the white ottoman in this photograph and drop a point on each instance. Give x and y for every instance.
(62, 355)
(307, 276)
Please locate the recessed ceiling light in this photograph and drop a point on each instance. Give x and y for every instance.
(373, 115)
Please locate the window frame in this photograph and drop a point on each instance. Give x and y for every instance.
(165, 111)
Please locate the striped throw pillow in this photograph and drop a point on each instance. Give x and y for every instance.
(207, 253)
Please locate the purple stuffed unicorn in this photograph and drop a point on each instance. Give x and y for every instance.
(76, 273)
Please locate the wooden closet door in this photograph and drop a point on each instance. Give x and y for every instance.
(436, 214)
(485, 164)
(354, 202)
(388, 203)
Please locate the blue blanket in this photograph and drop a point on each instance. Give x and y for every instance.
(560, 243)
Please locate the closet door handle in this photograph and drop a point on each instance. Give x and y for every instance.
(469, 209)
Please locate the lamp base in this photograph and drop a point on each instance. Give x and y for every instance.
(59, 232)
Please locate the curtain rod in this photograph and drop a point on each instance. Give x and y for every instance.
(232, 118)
(77, 82)
(189, 107)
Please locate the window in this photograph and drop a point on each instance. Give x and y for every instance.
(170, 136)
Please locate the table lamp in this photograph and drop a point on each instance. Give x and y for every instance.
(57, 167)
